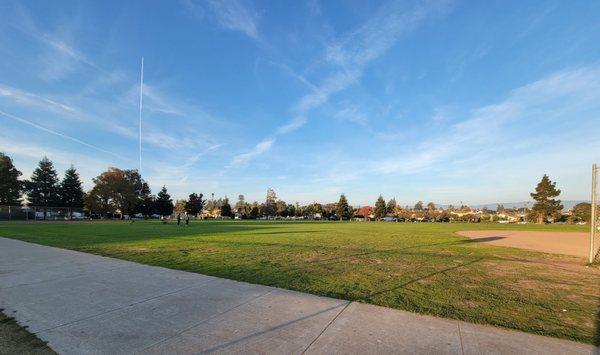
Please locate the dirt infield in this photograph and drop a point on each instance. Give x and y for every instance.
(568, 243)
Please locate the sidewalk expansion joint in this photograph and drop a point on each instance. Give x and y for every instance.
(326, 327)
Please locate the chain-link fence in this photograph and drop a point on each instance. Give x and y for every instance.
(595, 218)
(33, 213)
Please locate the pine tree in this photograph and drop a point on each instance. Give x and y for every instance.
(342, 209)
(10, 186)
(43, 188)
(545, 206)
(380, 209)
(226, 208)
(270, 207)
(254, 210)
(71, 191)
(391, 206)
(145, 201)
(164, 203)
(194, 204)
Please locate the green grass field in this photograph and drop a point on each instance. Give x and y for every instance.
(422, 267)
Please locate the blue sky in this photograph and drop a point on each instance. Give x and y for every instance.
(443, 101)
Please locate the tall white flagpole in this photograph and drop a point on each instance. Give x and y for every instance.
(140, 116)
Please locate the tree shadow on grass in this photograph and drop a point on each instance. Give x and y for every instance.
(222, 347)
(290, 232)
(404, 284)
(484, 239)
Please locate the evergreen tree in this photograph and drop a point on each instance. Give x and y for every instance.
(225, 208)
(380, 209)
(270, 206)
(291, 210)
(164, 203)
(254, 210)
(43, 188)
(342, 209)
(144, 201)
(391, 206)
(194, 204)
(147, 206)
(71, 191)
(10, 186)
(545, 206)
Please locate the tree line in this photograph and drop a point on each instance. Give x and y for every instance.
(124, 192)
(115, 190)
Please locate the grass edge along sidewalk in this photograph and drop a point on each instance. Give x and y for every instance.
(15, 339)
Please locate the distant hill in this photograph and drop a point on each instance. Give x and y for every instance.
(568, 204)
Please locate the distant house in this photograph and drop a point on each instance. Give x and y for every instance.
(364, 213)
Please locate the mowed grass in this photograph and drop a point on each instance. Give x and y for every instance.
(420, 267)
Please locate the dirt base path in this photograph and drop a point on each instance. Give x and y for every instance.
(568, 243)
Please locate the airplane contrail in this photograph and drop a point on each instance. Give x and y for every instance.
(141, 101)
(48, 130)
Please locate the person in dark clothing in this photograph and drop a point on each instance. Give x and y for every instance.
(178, 218)
(187, 219)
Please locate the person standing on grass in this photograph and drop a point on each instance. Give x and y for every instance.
(179, 219)
(187, 219)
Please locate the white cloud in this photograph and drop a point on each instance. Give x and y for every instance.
(554, 99)
(30, 99)
(233, 15)
(58, 57)
(352, 114)
(355, 51)
(292, 125)
(53, 132)
(30, 152)
(262, 147)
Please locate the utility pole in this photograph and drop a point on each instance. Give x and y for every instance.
(593, 230)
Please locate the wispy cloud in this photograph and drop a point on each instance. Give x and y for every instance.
(88, 166)
(262, 147)
(292, 125)
(233, 15)
(352, 114)
(352, 53)
(25, 98)
(550, 101)
(63, 107)
(59, 57)
(62, 135)
(64, 48)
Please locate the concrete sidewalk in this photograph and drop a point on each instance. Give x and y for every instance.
(83, 303)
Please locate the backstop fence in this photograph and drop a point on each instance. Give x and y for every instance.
(595, 218)
(37, 213)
